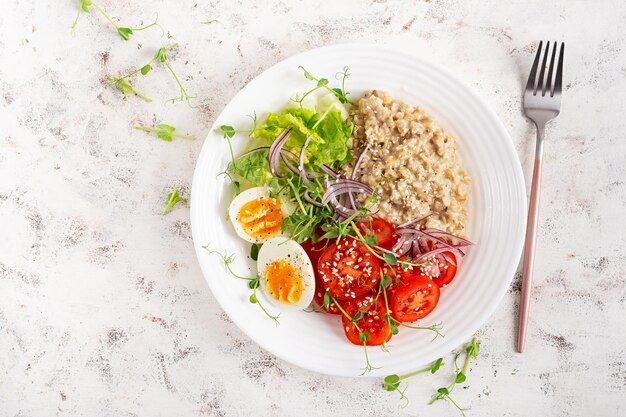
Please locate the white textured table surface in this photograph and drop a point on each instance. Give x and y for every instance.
(103, 309)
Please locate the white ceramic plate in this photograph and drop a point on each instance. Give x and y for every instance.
(496, 222)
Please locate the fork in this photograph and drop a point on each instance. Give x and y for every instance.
(542, 103)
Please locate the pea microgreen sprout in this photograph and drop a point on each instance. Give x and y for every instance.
(124, 85)
(164, 132)
(392, 382)
(228, 260)
(385, 282)
(183, 93)
(253, 282)
(228, 132)
(127, 89)
(344, 75)
(124, 32)
(435, 328)
(160, 56)
(471, 352)
(363, 335)
(340, 93)
(173, 198)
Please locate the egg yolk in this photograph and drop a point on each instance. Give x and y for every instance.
(261, 218)
(283, 282)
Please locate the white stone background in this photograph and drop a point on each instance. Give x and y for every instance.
(103, 308)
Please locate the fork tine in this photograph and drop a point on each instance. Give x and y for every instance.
(548, 87)
(559, 71)
(530, 85)
(540, 82)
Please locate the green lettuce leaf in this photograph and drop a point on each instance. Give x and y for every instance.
(330, 134)
(254, 168)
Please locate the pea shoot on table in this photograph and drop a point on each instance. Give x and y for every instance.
(472, 348)
(124, 32)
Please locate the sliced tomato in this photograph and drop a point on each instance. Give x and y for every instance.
(396, 272)
(384, 231)
(348, 269)
(372, 321)
(414, 298)
(318, 296)
(441, 268)
(315, 250)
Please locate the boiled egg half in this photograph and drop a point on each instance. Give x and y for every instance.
(256, 215)
(286, 273)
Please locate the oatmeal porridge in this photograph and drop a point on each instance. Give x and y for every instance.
(411, 163)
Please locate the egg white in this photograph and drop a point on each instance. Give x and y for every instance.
(281, 248)
(249, 195)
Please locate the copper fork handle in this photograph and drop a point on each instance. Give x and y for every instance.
(529, 246)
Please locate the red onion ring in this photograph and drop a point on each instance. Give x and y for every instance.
(275, 151)
(412, 222)
(430, 254)
(354, 171)
(303, 173)
(310, 199)
(262, 148)
(461, 242)
(331, 172)
(342, 187)
(283, 155)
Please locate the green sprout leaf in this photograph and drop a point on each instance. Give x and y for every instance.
(125, 33)
(371, 240)
(460, 378)
(322, 82)
(254, 283)
(472, 348)
(160, 55)
(391, 382)
(145, 69)
(436, 365)
(306, 74)
(227, 131)
(164, 132)
(326, 300)
(254, 251)
(253, 299)
(386, 281)
(390, 258)
(127, 89)
(363, 336)
(173, 198)
(84, 4)
(356, 318)
(237, 187)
